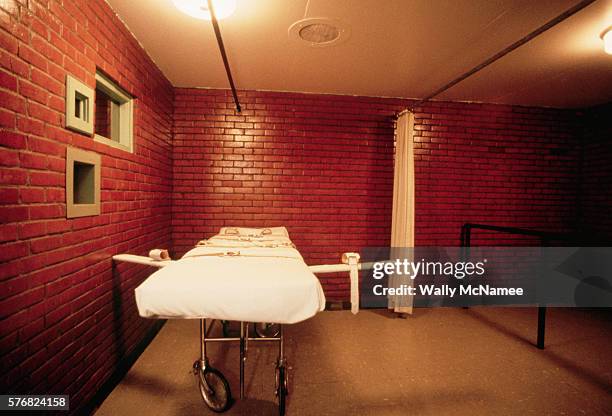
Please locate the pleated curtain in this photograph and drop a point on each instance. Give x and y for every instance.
(402, 223)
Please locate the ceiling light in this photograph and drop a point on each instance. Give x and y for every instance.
(199, 8)
(606, 36)
(319, 32)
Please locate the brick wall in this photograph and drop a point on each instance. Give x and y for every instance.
(499, 165)
(65, 318)
(596, 178)
(320, 165)
(323, 166)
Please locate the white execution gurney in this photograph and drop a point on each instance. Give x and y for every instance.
(240, 274)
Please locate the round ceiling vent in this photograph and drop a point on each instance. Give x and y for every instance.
(319, 32)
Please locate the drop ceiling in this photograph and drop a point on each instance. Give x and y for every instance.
(396, 48)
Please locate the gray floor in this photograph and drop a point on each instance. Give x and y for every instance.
(479, 361)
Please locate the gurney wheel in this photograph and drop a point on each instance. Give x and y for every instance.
(281, 388)
(267, 329)
(215, 390)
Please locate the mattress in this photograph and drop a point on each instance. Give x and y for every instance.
(253, 275)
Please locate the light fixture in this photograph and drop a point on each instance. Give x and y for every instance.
(319, 32)
(606, 36)
(199, 8)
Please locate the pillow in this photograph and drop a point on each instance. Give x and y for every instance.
(243, 231)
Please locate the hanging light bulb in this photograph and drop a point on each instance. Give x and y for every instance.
(199, 8)
(606, 36)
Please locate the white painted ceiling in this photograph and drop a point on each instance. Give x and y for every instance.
(397, 48)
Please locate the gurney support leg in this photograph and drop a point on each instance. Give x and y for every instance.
(243, 347)
(203, 357)
(281, 374)
(214, 388)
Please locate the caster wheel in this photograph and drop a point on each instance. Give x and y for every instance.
(267, 329)
(214, 389)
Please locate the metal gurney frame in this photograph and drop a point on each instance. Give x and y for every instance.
(213, 386)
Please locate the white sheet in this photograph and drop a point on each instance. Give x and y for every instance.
(236, 278)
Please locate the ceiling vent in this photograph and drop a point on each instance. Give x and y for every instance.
(319, 32)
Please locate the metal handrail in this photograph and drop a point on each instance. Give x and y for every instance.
(545, 236)
(466, 237)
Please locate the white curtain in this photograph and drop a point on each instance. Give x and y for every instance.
(402, 223)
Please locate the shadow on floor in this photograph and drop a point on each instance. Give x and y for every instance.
(603, 382)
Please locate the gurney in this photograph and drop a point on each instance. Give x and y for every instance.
(250, 275)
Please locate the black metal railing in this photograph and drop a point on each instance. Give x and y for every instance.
(545, 237)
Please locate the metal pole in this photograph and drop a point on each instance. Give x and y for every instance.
(468, 236)
(215, 24)
(242, 358)
(203, 342)
(281, 348)
(541, 326)
(542, 312)
(569, 12)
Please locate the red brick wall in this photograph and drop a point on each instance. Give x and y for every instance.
(499, 165)
(596, 178)
(320, 165)
(65, 318)
(323, 166)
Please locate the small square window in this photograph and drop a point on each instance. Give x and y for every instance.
(82, 183)
(113, 114)
(79, 106)
(108, 116)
